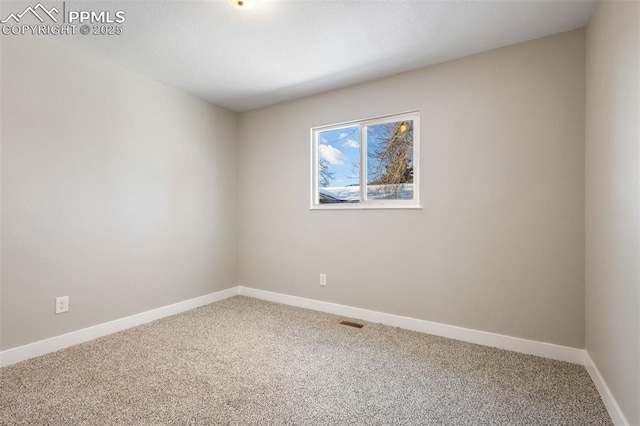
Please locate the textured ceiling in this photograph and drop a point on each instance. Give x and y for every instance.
(285, 49)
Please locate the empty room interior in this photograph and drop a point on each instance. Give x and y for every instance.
(320, 212)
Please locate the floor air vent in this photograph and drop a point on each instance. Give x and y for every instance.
(351, 324)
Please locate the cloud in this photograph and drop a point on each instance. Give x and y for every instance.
(331, 154)
(351, 144)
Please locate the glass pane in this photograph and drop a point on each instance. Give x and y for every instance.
(339, 165)
(390, 161)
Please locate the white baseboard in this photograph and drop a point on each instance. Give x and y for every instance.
(516, 344)
(617, 417)
(31, 350)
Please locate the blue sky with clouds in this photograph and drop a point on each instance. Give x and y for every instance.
(341, 149)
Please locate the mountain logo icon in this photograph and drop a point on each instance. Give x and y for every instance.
(38, 11)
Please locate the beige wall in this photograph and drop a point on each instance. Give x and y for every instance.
(499, 245)
(117, 191)
(613, 200)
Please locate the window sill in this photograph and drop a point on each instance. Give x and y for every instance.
(367, 207)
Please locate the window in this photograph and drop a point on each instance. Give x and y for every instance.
(366, 164)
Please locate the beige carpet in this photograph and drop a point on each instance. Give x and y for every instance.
(246, 361)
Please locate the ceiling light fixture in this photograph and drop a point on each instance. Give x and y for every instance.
(243, 4)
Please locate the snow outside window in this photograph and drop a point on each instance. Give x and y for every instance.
(369, 163)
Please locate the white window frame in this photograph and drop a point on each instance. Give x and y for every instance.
(365, 203)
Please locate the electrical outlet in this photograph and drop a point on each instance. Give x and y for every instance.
(323, 279)
(62, 304)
